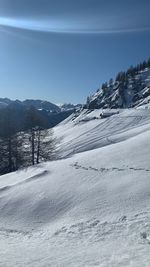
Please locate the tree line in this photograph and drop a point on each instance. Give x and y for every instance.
(123, 76)
(121, 80)
(26, 141)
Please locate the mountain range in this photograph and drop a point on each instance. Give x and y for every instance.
(38, 104)
(53, 113)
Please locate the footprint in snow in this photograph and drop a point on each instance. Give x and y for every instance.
(123, 219)
(145, 237)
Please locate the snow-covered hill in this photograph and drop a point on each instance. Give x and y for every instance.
(89, 208)
(86, 130)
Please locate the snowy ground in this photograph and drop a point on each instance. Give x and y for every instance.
(89, 208)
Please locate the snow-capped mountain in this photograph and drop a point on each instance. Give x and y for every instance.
(130, 89)
(52, 113)
(41, 104)
(69, 106)
(38, 104)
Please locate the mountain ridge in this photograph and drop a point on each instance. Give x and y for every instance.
(129, 89)
(38, 104)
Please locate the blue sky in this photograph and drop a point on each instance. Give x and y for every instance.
(63, 50)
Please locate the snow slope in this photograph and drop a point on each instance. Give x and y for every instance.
(87, 131)
(90, 208)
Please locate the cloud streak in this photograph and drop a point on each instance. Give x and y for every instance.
(67, 27)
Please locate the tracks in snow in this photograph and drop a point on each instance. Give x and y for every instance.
(76, 165)
(135, 228)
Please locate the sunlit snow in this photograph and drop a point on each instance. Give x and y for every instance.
(91, 207)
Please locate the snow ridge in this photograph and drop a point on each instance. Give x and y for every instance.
(126, 92)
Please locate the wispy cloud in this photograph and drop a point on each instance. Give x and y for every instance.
(56, 26)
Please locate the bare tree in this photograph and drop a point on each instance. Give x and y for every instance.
(41, 141)
(45, 147)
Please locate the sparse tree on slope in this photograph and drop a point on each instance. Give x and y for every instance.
(40, 138)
